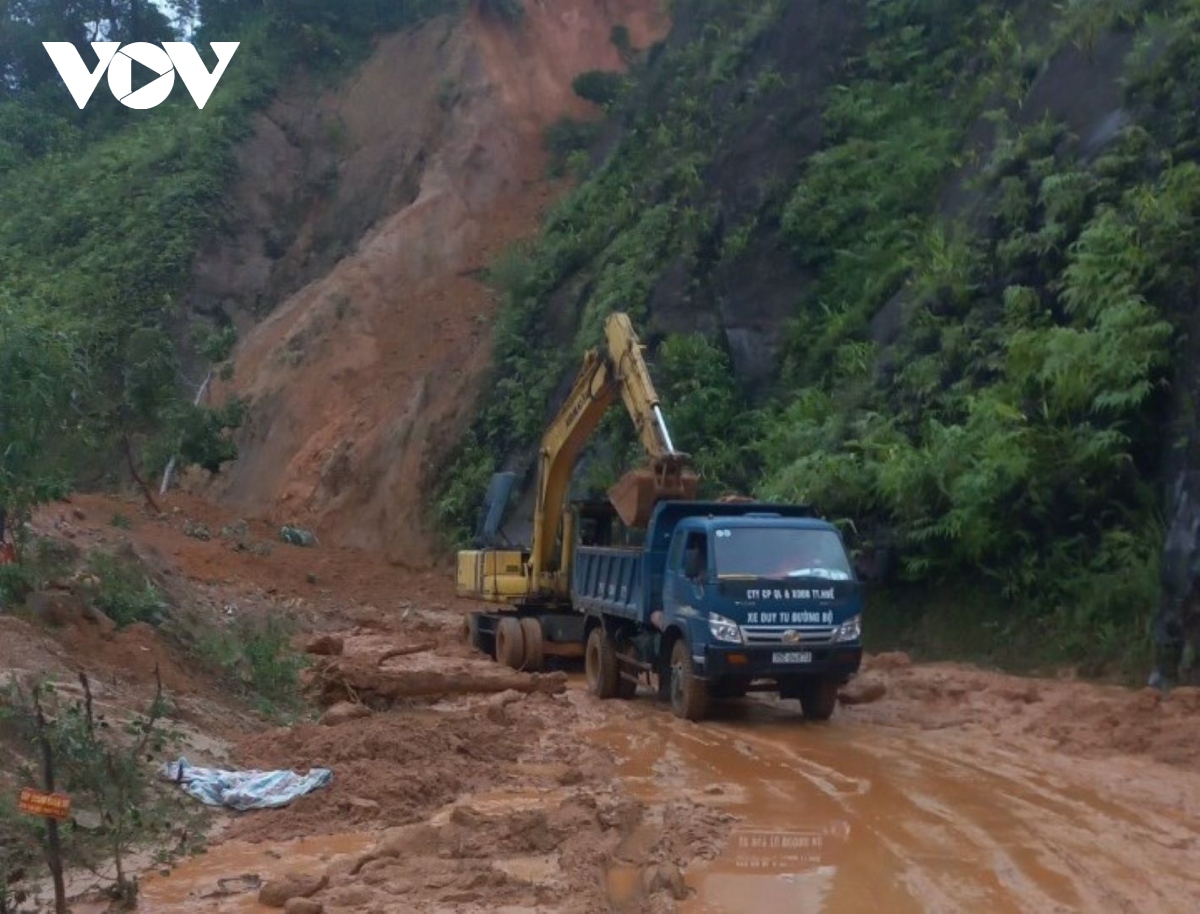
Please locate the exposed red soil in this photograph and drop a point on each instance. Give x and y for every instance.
(360, 380)
(1067, 716)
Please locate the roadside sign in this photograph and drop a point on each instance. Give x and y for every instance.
(51, 805)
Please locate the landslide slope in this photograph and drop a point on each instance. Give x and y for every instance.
(368, 212)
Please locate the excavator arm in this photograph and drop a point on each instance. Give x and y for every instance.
(617, 371)
(621, 371)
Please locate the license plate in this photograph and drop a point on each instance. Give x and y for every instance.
(792, 657)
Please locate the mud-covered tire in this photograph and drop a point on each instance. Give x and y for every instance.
(626, 689)
(510, 643)
(469, 631)
(535, 656)
(600, 664)
(689, 695)
(818, 699)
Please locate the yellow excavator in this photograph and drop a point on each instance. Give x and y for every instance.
(536, 582)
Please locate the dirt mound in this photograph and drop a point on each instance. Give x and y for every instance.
(1140, 723)
(459, 111)
(207, 547)
(388, 770)
(1075, 718)
(481, 814)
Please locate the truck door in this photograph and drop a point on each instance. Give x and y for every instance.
(687, 570)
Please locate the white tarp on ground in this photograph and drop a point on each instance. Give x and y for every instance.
(244, 789)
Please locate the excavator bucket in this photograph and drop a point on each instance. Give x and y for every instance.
(638, 491)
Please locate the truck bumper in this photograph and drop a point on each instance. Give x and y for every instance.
(837, 661)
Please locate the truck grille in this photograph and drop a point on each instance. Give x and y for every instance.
(773, 634)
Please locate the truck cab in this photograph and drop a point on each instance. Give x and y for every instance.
(720, 599)
(761, 596)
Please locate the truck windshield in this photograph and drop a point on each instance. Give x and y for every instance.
(777, 552)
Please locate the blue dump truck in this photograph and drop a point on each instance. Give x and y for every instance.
(717, 600)
(705, 599)
(722, 599)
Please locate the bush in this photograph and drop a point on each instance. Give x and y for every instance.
(599, 86)
(256, 658)
(126, 592)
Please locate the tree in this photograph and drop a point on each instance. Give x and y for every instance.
(41, 379)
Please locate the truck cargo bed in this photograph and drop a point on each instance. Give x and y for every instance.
(609, 580)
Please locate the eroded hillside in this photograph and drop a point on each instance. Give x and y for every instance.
(371, 213)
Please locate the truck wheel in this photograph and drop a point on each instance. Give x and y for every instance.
(510, 643)
(534, 654)
(818, 698)
(689, 695)
(470, 631)
(600, 662)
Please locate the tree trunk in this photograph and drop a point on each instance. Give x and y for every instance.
(149, 496)
(53, 847)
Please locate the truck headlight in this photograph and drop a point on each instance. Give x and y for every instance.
(724, 629)
(850, 630)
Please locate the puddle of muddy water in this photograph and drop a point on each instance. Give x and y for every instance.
(792, 830)
(228, 877)
(821, 824)
(841, 817)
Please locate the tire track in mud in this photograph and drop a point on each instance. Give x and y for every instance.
(847, 817)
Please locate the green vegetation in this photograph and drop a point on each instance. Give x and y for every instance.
(1006, 442)
(255, 658)
(599, 86)
(105, 766)
(126, 593)
(603, 249)
(101, 213)
(568, 138)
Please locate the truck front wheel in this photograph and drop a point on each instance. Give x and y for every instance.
(600, 664)
(689, 695)
(818, 698)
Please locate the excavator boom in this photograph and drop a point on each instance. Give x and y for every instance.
(622, 372)
(668, 474)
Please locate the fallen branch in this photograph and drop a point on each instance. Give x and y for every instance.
(405, 651)
(337, 680)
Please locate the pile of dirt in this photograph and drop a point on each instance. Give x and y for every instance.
(1076, 718)
(556, 855)
(388, 770)
(490, 801)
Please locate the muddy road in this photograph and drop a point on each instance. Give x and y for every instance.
(854, 817)
(460, 786)
(948, 789)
